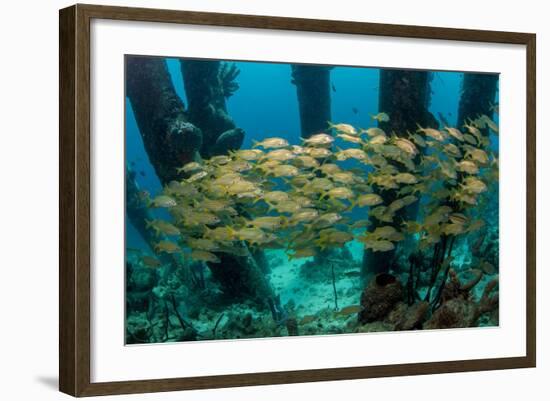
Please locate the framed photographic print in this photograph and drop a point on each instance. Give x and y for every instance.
(251, 200)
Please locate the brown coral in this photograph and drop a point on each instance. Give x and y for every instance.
(409, 317)
(461, 310)
(379, 297)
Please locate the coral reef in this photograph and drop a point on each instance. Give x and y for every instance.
(379, 297)
(405, 317)
(459, 308)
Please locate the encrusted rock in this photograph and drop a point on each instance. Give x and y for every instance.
(409, 317)
(292, 326)
(374, 327)
(456, 313)
(379, 297)
(247, 320)
(462, 310)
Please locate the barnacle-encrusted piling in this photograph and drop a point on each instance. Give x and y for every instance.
(137, 210)
(313, 89)
(169, 138)
(405, 97)
(478, 97)
(207, 85)
(139, 214)
(314, 102)
(172, 139)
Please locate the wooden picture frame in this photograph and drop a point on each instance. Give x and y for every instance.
(74, 204)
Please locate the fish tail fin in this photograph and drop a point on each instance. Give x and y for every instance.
(255, 144)
(321, 244)
(233, 232)
(207, 231)
(284, 222)
(286, 180)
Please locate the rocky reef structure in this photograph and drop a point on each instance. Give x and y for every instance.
(405, 96)
(384, 307)
(458, 305)
(379, 297)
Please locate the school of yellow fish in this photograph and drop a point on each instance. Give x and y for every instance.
(299, 197)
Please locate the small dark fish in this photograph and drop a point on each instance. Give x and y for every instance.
(488, 268)
(142, 173)
(443, 119)
(355, 110)
(333, 88)
(144, 195)
(349, 310)
(308, 319)
(150, 261)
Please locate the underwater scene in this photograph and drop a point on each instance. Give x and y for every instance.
(275, 199)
